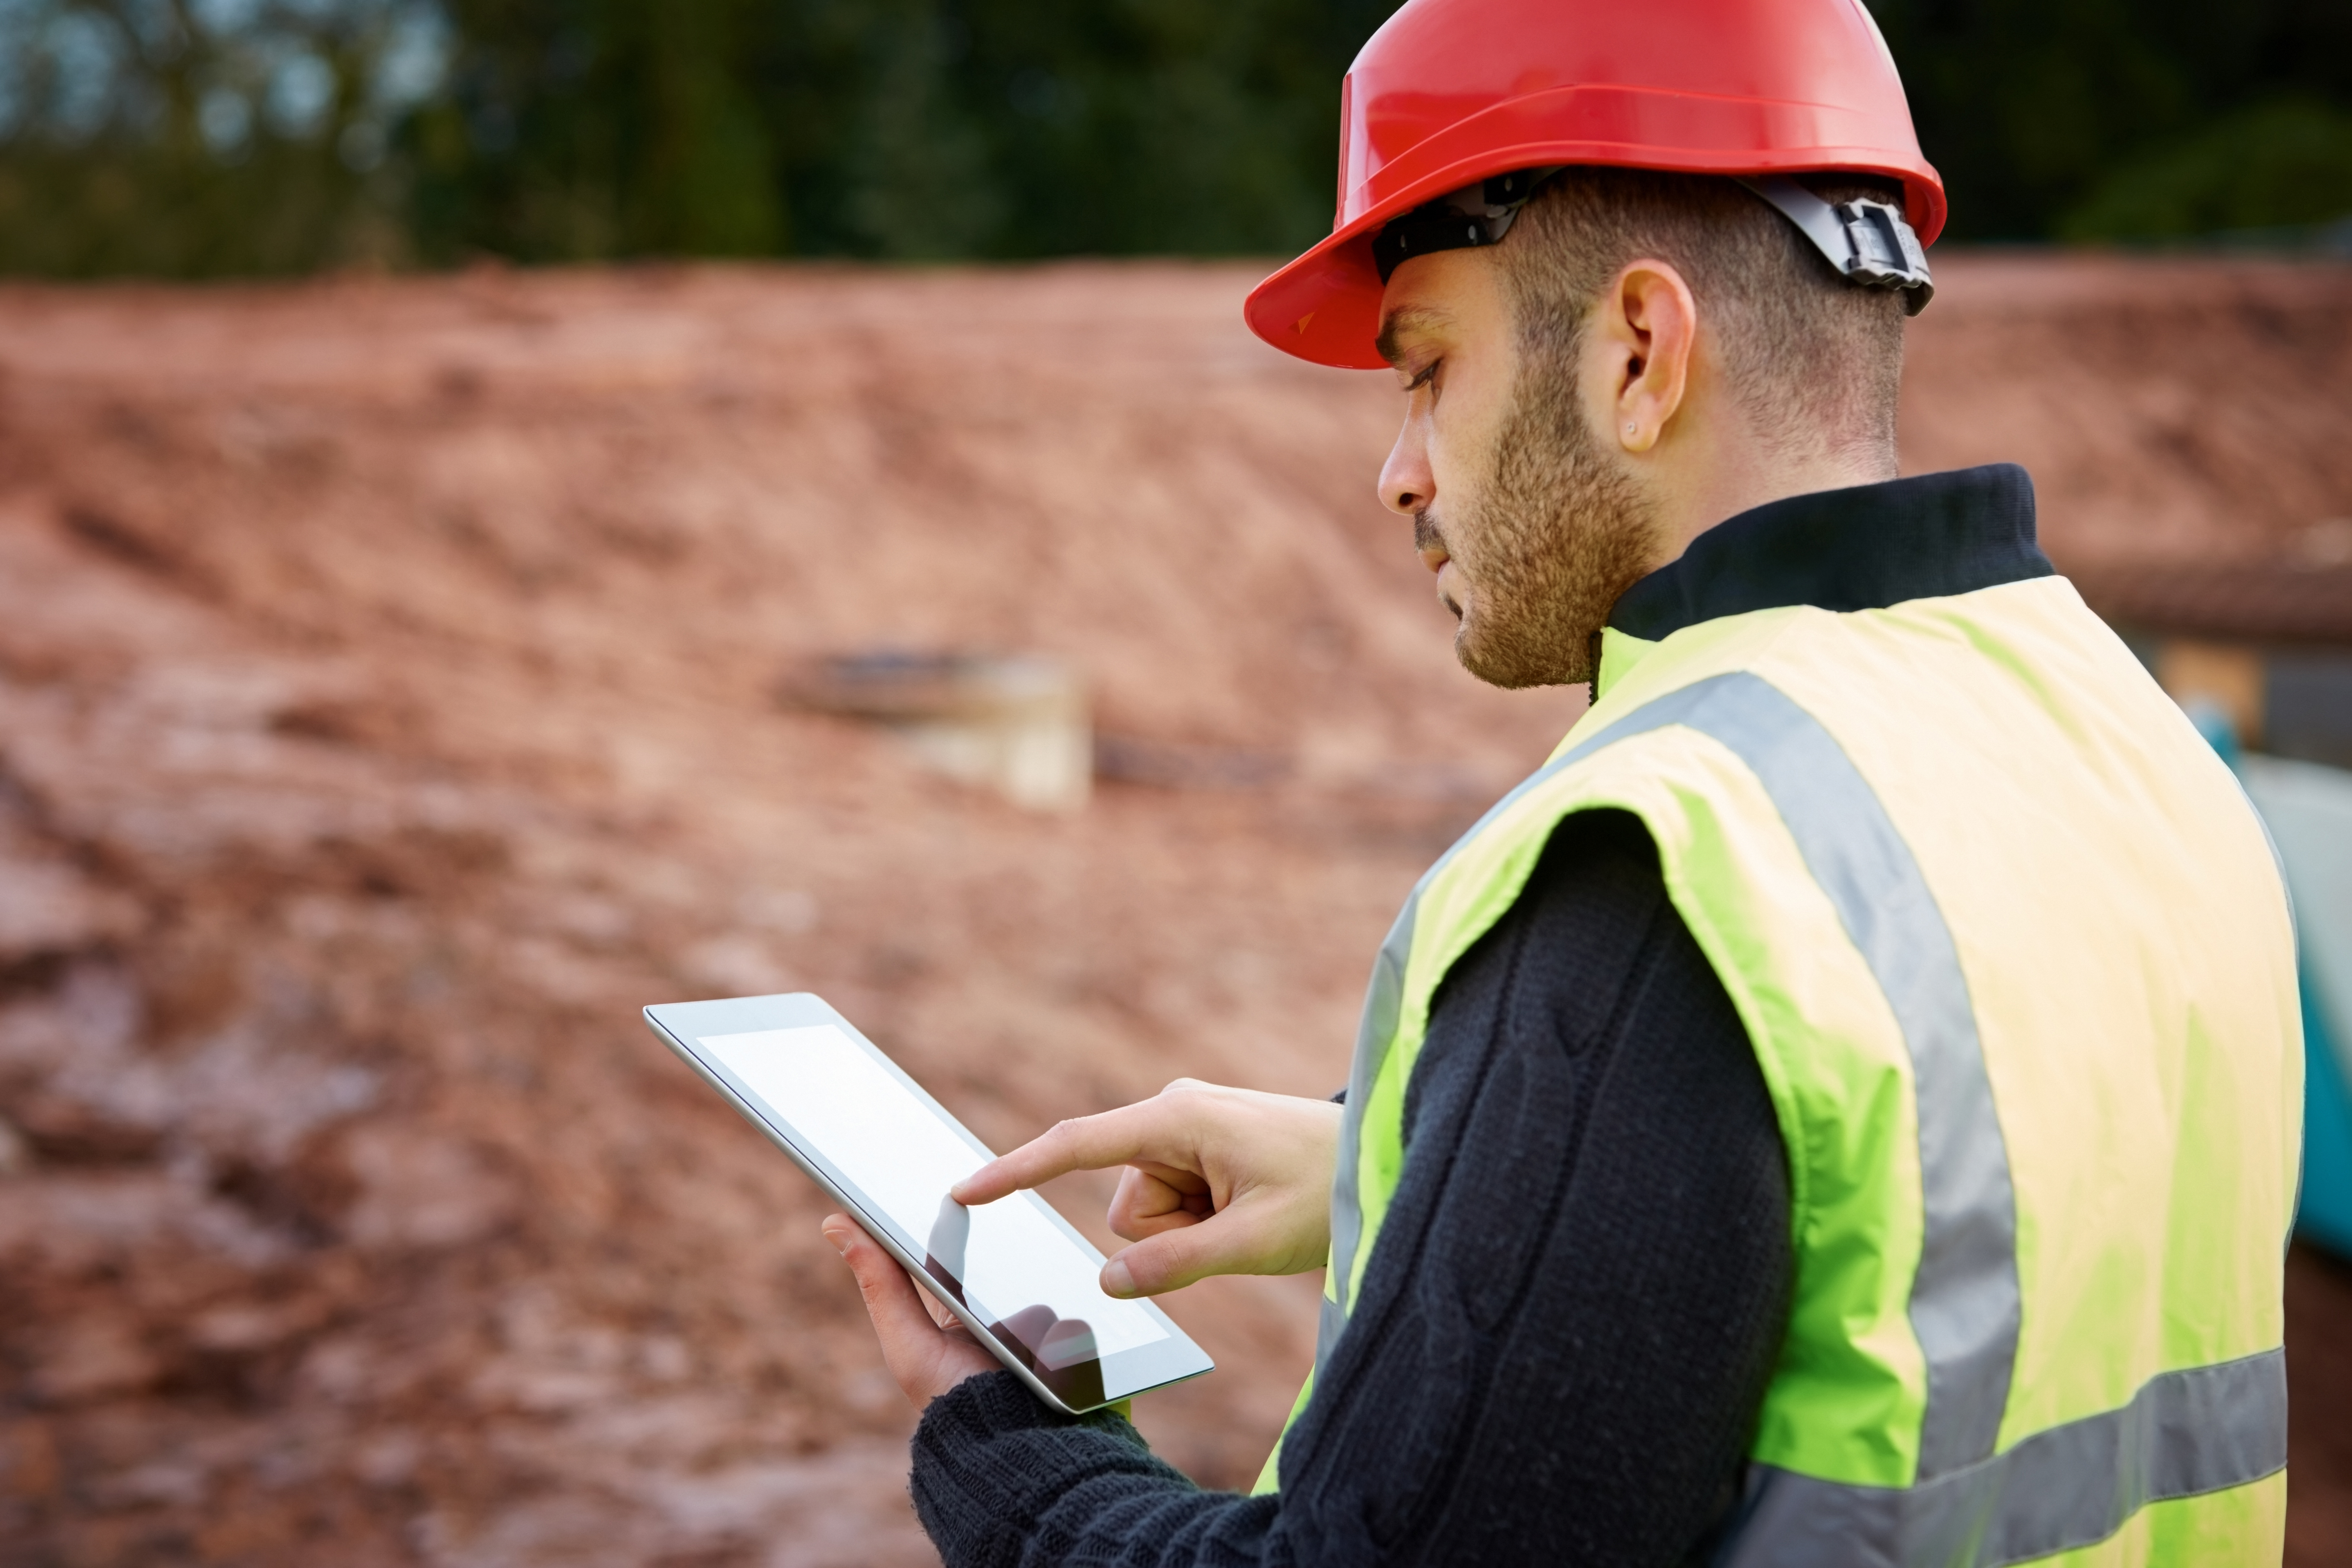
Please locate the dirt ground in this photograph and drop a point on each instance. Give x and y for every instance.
(388, 677)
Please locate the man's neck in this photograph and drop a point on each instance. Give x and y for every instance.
(1750, 475)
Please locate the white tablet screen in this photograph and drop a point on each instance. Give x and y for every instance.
(1009, 1258)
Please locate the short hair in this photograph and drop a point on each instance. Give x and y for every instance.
(1817, 359)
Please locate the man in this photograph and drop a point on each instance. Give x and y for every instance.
(1843, 1108)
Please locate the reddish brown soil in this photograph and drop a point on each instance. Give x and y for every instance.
(386, 711)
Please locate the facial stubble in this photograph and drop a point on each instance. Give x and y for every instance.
(1548, 543)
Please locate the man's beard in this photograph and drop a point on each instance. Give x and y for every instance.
(1549, 544)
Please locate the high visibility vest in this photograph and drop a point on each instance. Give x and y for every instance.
(2015, 959)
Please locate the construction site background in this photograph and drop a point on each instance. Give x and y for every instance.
(402, 681)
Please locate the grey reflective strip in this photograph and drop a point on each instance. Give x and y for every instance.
(1382, 1000)
(2204, 1429)
(1964, 1298)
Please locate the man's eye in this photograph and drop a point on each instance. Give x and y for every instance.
(1428, 373)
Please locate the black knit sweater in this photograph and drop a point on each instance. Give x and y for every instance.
(1565, 1332)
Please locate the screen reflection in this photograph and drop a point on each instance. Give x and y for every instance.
(1007, 1263)
(1060, 1351)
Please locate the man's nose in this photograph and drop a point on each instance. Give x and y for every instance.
(1407, 487)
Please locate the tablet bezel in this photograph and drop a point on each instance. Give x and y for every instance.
(681, 1027)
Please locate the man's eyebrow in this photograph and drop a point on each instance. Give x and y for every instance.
(1410, 319)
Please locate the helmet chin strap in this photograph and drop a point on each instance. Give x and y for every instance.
(1868, 242)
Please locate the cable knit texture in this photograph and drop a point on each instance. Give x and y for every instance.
(1567, 1322)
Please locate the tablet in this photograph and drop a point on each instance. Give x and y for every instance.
(1017, 1274)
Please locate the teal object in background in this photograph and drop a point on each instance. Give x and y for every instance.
(2308, 809)
(2326, 1214)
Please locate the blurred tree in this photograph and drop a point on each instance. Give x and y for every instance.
(201, 137)
(583, 128)
(885, 128)
(204, 137)
(2032, 110)
(2278, 165)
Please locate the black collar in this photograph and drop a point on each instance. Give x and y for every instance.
(1859, 549)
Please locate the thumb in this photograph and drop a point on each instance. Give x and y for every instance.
(887, 1290)
(1175, 1258)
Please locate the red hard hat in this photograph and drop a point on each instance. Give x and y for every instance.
(1449, 92)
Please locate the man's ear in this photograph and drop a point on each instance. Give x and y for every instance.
(1648, 326)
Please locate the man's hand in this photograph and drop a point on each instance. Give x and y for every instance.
(926, 1357)
(1219, 1181)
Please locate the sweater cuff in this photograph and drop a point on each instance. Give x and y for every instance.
(991, 1459)
(997, 1404)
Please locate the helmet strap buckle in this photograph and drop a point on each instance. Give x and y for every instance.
(1870, 243)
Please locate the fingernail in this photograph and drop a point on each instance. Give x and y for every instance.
(1117, 1279)
(839, 1235)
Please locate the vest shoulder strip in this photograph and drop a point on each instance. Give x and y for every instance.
(1965, 1297)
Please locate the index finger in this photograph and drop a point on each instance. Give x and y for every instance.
(1118, 1137)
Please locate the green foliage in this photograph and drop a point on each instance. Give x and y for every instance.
(201, 140)
(2271, 166)
(213, 137)
(144, 210)
(2030, 107)
(906, 129)
(590, 128)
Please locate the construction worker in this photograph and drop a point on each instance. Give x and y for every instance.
(1843, 1108)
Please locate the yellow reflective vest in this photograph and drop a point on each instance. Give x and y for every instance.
(2015, 959)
